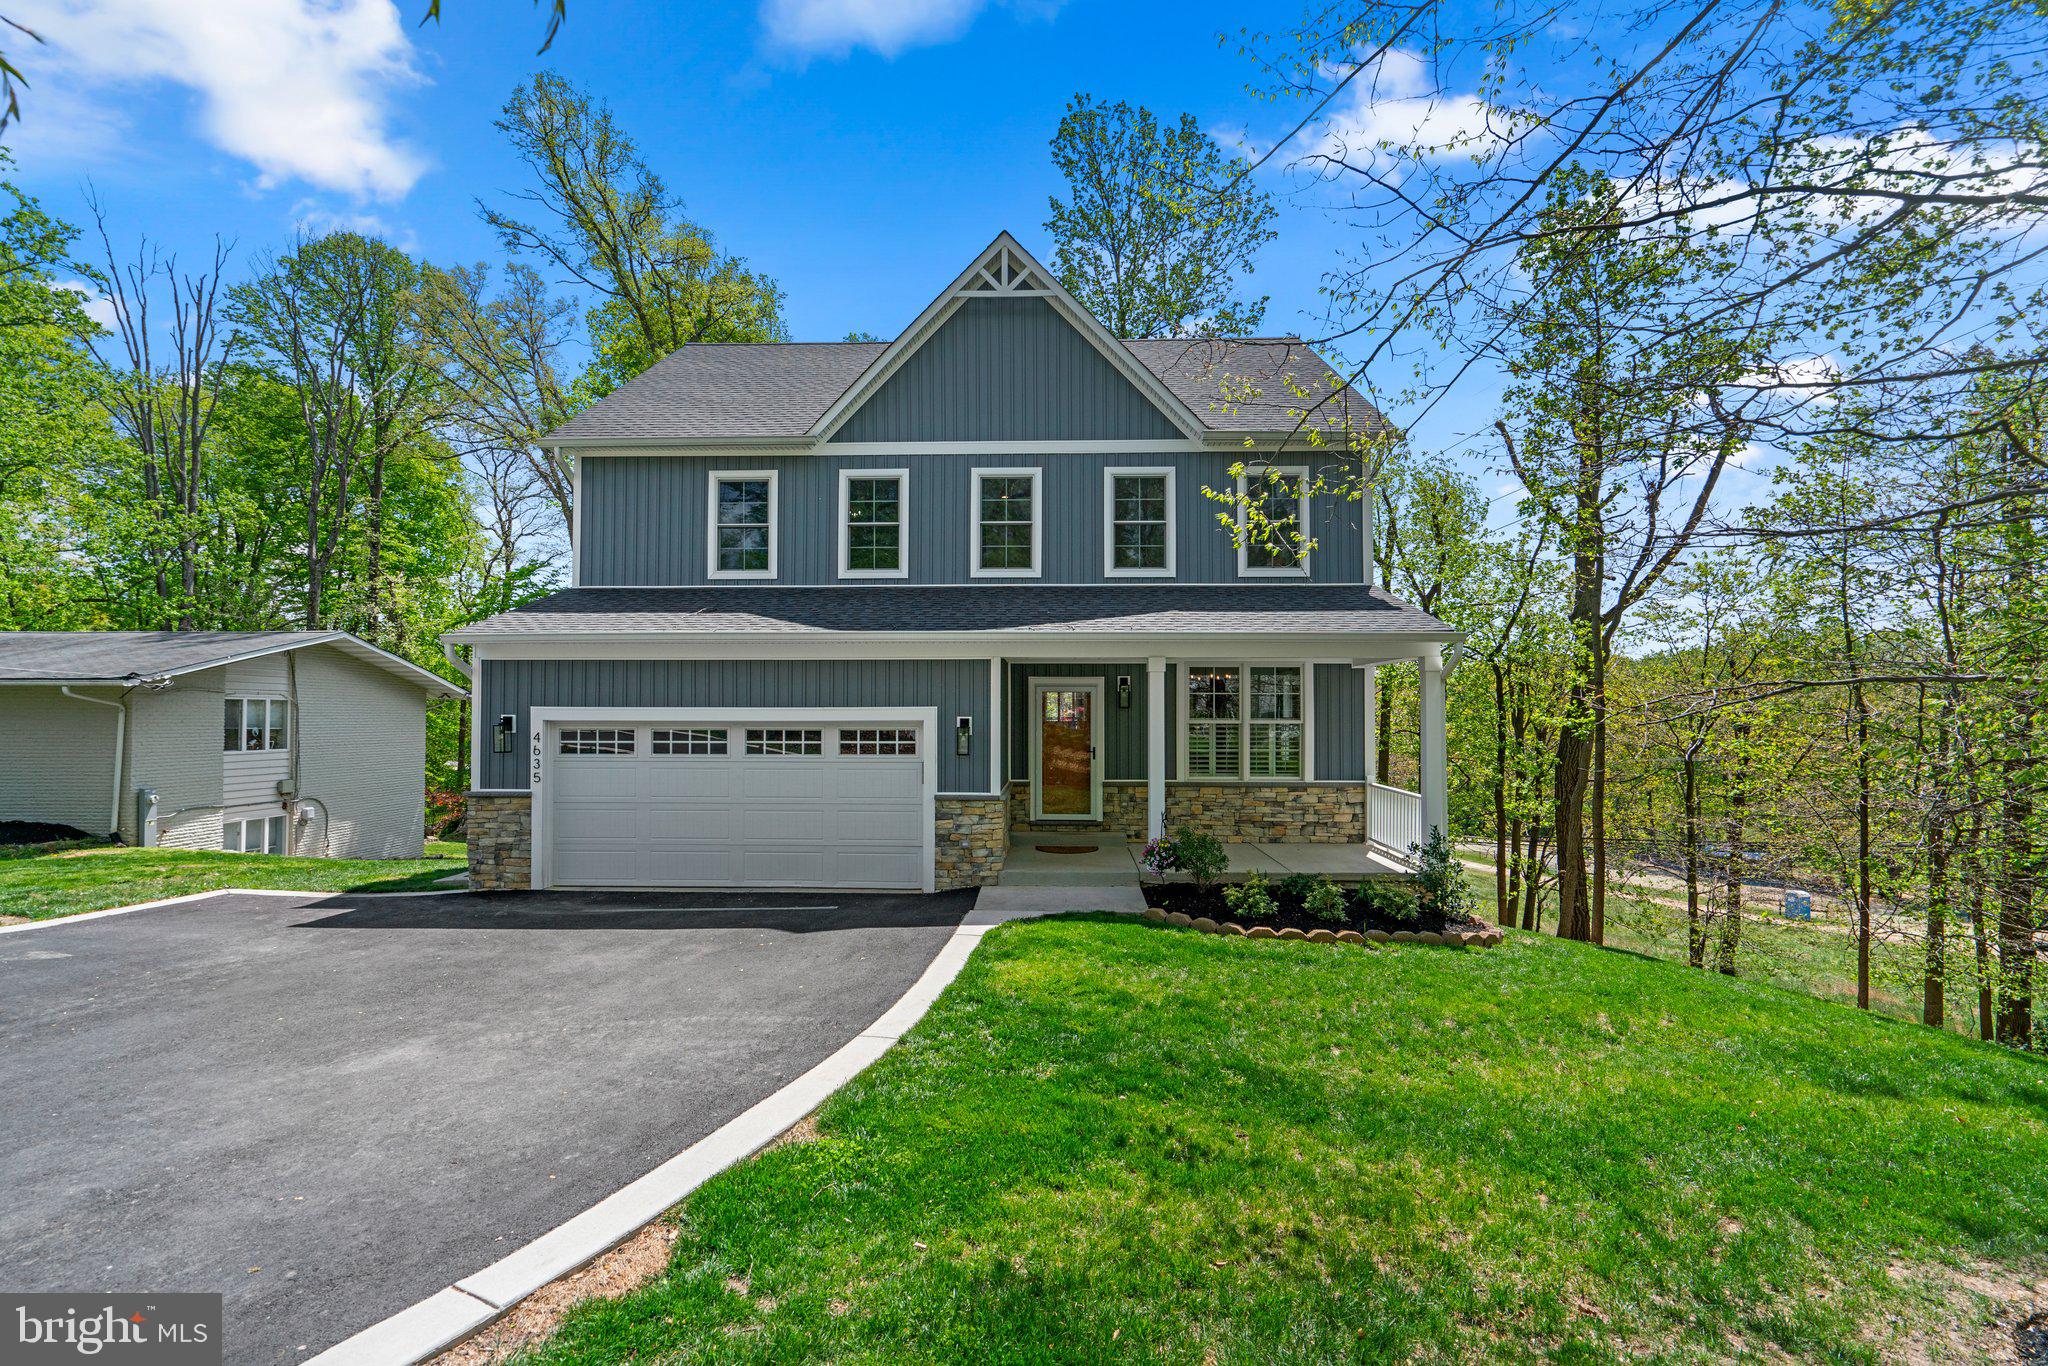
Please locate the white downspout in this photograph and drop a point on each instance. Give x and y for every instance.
(120, 749)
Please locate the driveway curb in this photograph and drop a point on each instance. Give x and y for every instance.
(449, 1315)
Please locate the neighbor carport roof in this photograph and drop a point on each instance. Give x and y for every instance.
(1205, 609)
(125, 657)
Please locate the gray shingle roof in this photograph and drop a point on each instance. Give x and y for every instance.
(764, 390)
(124, 656)
(1208, 609)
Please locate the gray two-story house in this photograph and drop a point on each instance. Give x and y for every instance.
(850, 614)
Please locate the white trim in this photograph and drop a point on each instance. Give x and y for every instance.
(1160, 446)
(575, 518)
(1110, 474)
(1036, 685)
(949, 299)
(995, 723)
(902, 569)
(540, 720)
(1276, 648)
(774, 481)
(974, 478)
(1299, 570)
(1232, 442)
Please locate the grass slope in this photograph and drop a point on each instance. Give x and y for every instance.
(1112, 1141)
(43, 884)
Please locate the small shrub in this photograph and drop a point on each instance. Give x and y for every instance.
(1387, 903)
(1441, 876)
(1162, 856)
(1325, 901)
(1250, 899)
(1200, 856)
(1296, 887)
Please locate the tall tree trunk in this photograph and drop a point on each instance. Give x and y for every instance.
(1738, 801)
(1980, 932)
(1598, 816)
(1383, 732)
(1695, 933)
(2016, 897)
(1503, 907)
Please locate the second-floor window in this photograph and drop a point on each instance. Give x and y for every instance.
(743, 524)
(871, 506)
(1006, 524)
(1138, 509)
(1274, 549)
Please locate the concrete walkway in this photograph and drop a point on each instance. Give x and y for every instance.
(1113, 861)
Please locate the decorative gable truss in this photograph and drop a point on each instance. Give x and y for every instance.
(1005, 270)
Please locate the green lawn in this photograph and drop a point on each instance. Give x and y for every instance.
(1110, 1141)
(43, 884)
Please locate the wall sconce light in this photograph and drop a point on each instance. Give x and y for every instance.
(1123, 692)
(502, 732)
(963, 730)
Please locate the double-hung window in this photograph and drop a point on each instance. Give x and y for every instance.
(871, 524)
(1138, 513)
(255, 723)
(1245, 721)
(1006, 524)
(1270, 543)
(743, 524)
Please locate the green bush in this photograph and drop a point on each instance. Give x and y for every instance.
(1441, 876)
(1389, 903)
(1250, 899)
(1296, 887)
(1325, 901)
(1200, 856)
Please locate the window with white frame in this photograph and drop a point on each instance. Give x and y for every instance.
(770, 740)
(871, 517)
(688, 741)
(1138, 510)
(254, 835)
(597, 740)
(1270, 543)
(743, 524)
(255, 723)
(1006, 522)
(877, 742)
(1245, 721)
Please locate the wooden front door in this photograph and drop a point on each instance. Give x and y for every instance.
(1066, 777)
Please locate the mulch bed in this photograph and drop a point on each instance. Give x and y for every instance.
(1372, 911)
(38, 832)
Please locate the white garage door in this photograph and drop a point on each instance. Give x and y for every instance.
(795, 804)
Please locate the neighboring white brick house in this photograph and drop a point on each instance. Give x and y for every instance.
(306, 742)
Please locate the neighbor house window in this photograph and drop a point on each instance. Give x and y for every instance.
(258, 835)
(882, 742)
(743, 524)
(772, 741)
(1138, 507)
(1006, 524)
(1245, 721)
(1274, 548)
(871, 505)
(255, 723)
(688, 741)
(597, 740)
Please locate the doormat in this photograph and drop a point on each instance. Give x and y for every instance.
(1066, 848)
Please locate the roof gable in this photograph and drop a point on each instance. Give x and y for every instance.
(1013, 309)
(126, 657)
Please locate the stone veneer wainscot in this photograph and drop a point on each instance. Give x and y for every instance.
(972, 839)
(1309, 813)
(499, 830)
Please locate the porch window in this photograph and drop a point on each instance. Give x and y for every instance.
(1245, 721)
(1272, 548)
(743, 524)
(1006, 524)
(1138, 506)
(871, 523)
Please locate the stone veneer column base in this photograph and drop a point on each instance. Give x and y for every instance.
(971, 841)
(1307, 813)
(499, 828)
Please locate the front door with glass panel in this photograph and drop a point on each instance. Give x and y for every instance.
(1066, 780)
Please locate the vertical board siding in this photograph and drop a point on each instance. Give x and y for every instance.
(1007, 370)
(954, 687)
(645, 517)
(1340, 724)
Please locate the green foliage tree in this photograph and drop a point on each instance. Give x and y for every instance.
(1158, 225)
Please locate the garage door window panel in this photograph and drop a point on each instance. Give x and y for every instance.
(769, 741)
(702, 742)
(597, 740)
(861, 743)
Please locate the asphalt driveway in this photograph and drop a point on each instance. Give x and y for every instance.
(329, 1107)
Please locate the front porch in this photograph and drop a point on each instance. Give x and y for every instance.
(1103, 860)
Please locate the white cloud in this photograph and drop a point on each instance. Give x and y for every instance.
(1395, 103)
(297, 88)
(834, 28)
(98, 306)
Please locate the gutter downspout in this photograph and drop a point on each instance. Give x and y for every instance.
(120, 750)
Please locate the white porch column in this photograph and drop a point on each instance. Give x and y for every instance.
(1435, 763)
(1155, 748)
(1371, 674)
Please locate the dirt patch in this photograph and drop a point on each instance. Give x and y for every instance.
(1369, 908)
(13, 920)
(627, 1267)
(38, 832)
(1990, 1313)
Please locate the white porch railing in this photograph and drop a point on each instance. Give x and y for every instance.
(1393, 818)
